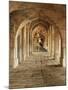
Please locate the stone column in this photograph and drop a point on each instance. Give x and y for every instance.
(57, 47)
(20, 46)
(53, 39)
(27, 38)
(24, 40)
(15, 64)
(49, 41)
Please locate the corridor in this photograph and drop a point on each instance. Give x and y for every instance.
(27, 77)
(37, 45)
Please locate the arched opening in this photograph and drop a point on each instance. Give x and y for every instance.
(36, 39)
(19, 49)
(39, 39)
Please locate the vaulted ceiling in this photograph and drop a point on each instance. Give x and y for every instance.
(20, 11)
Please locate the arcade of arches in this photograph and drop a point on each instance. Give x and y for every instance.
(37, 42)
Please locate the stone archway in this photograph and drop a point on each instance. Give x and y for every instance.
(20, 45)
(25, 32)
(39, 39)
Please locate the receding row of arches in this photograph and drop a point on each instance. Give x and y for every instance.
(37, 38)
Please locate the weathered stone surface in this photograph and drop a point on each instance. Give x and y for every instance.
(36, 69)
(33, 77)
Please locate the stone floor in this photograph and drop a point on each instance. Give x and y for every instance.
(26, 77)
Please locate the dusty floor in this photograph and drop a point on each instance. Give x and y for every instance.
(24, 77)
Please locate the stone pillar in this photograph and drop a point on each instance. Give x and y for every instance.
(53, 39)
(24, 42)
(57, 47)
(20, 46)
(64, 58)
(27, 38)
(49, 41)
(15, 54)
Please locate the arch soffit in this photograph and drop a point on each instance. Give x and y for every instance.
(36, 21)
